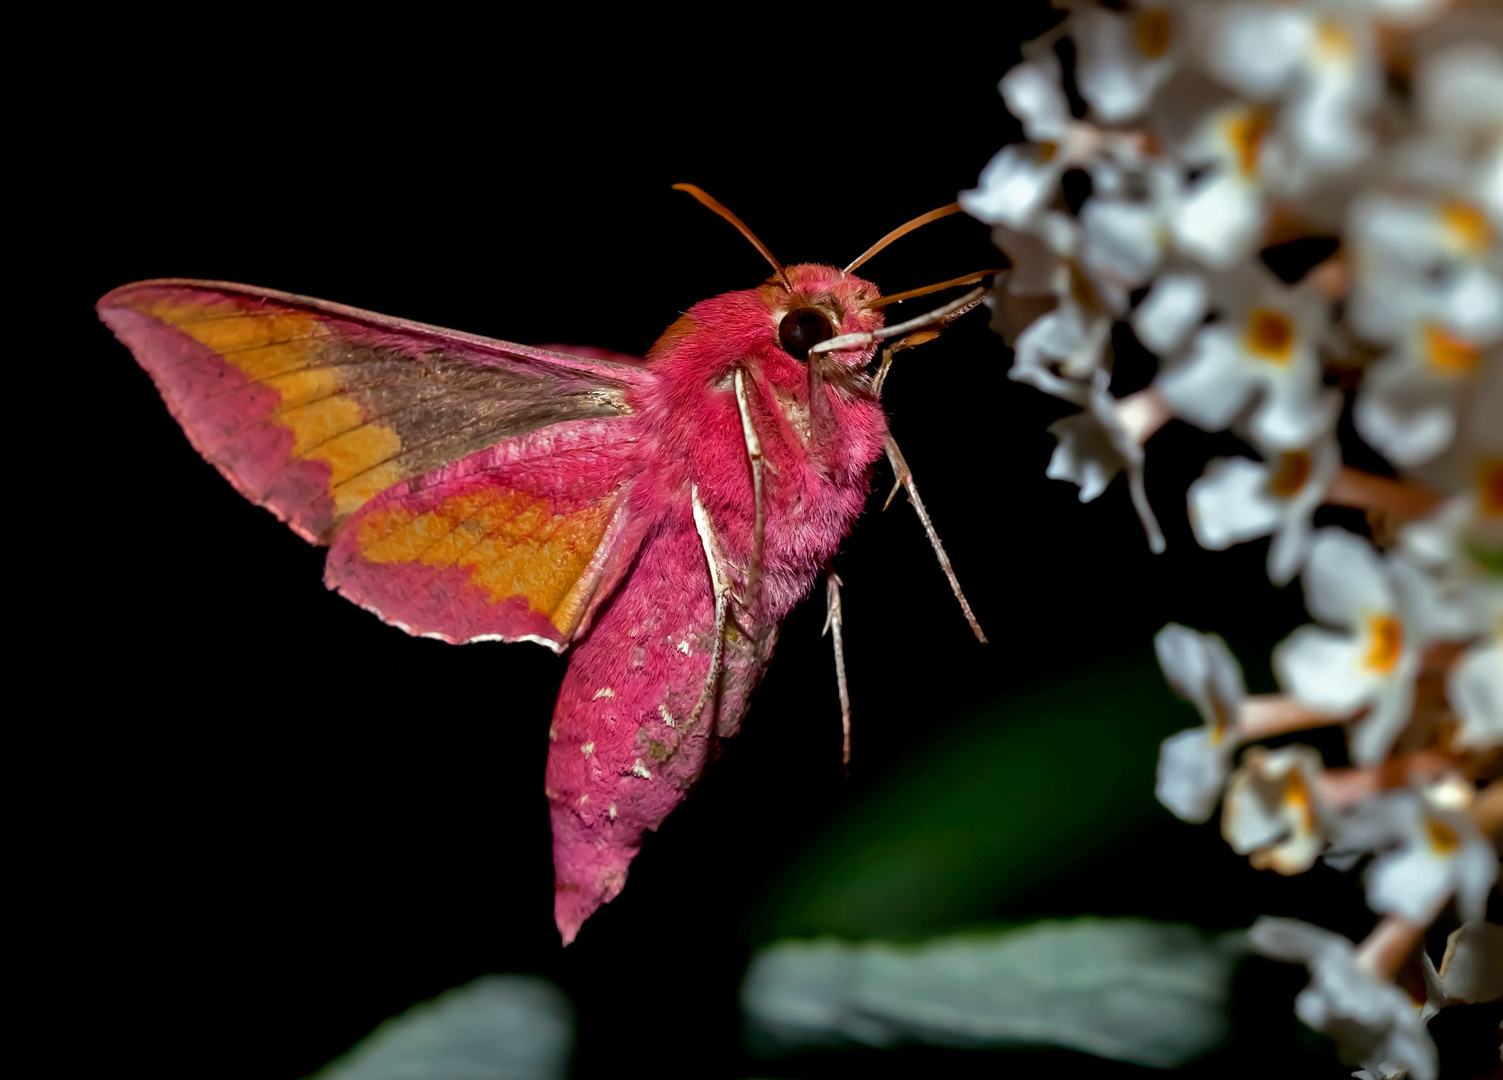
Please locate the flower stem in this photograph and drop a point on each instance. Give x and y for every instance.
(1383, 952)
(1487, 810)
(1341, 787)
(1368, 491)
(1262, 716)
(1142, 414)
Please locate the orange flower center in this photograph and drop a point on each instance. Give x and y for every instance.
(1223, 721)
(1466, 224)
(1297, 798)
(1083, 292)
(1246, 133)
(1333, 42)
(1270, 335)
(1443, 838)
(1151, 33)
(1448, 353)
(1388, 640)
(1490, 487)
(1045, 151)
(1290, 476)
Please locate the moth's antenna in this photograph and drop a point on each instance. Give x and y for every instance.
(965, 279)
(716, 205)
(903, 230)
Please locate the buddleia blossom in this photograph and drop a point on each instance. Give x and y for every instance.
(1208, 135)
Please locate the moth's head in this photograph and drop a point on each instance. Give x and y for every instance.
(770, 329)
(810, 304)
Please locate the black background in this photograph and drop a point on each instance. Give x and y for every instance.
(267, 820)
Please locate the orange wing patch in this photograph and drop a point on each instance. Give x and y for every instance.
(510, 542)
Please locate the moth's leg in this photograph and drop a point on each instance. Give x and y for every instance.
(905, 480)
(923, 337)
(833, 622)
(722, 587)
(759, 524)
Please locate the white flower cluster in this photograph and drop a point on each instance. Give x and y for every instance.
(1170, 146)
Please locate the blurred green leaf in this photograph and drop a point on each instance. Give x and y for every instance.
(1151, 993)
(1008, 797)
(500, 1027)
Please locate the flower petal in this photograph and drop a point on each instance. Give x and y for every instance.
(1344, 581)
(1034, 97)
(1213, 384)
(1016, 183)
(1474, 686)
(1191, 771)
(1084, 456)
(1122, 238)
(1218, 222)
(1323, 670)
(1173, 307)
(1230, 503)
(1392, 701)
(1404, 414)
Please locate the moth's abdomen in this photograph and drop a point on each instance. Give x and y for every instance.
(624, 746)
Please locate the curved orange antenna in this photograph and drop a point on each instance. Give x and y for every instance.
(967, 279)
(903, 230)
(716, 205)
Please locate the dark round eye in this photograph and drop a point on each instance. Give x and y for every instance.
(802, 329)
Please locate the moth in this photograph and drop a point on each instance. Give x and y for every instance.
(657, 517)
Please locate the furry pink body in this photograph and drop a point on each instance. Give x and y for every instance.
(623, 753)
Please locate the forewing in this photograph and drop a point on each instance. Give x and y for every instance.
(521, 541)
(311, 408)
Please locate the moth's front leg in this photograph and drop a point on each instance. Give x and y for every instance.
(905, 480)
(720, 583)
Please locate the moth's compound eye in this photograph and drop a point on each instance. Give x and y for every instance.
(802, 329)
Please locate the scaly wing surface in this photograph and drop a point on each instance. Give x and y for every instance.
(520, 541)
(310, 408)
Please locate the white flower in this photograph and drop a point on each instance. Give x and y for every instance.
(1439, 853)
(1261, 358)
(1383, 611)
(1374, 1021)
(1193, 764)
(1320, 60)
(1219, 219)
(1470, 971)
(1273, 810)
(1126, 223)
(1459, 88)
(1429, 279)
(1094, 446)
(1060, 351)
(1123, 57)
(1175, 305)
(1407, 405)
(1022, 179)
(1238, 499)
(1474, 687)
